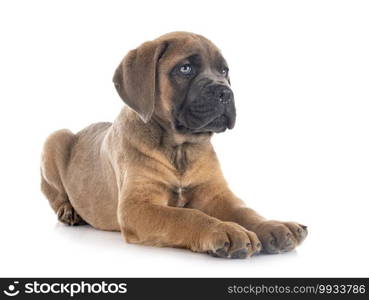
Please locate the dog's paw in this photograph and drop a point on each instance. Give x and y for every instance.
(230, 240)
(279, 237)
(67, 214)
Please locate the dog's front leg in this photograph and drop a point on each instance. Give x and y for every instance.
(145, 218)
(215, 199)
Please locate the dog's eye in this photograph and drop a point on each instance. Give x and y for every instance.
(225, 72)
(186, 69)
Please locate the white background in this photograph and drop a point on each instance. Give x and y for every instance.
(300, 149)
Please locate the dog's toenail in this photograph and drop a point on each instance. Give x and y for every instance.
(221, 252)
(242, 253)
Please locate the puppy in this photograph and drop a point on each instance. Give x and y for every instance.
(152, 174)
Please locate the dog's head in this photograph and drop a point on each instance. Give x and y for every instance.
(180, 78)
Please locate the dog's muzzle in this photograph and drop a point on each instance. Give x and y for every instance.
(207, 109)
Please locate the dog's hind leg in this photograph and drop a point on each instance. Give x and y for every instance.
(54, 161)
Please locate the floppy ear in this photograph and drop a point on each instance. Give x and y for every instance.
(136, 78)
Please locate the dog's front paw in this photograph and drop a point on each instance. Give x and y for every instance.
(279, 237)
(230, 240)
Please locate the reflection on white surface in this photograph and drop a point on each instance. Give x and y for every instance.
(59, 250)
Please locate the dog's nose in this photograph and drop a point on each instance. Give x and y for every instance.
(223, 94)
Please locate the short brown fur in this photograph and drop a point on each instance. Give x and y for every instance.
(141, 177)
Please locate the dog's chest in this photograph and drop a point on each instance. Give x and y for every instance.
(178, 198)
(179, 158)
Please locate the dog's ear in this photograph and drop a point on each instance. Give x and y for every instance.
(136, 78)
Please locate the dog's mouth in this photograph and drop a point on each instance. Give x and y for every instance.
(216, 125)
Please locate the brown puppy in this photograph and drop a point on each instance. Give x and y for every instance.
(153, 174)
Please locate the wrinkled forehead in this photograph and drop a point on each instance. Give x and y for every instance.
(181, 48)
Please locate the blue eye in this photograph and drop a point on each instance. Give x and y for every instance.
(224, 71)
(186, 69)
